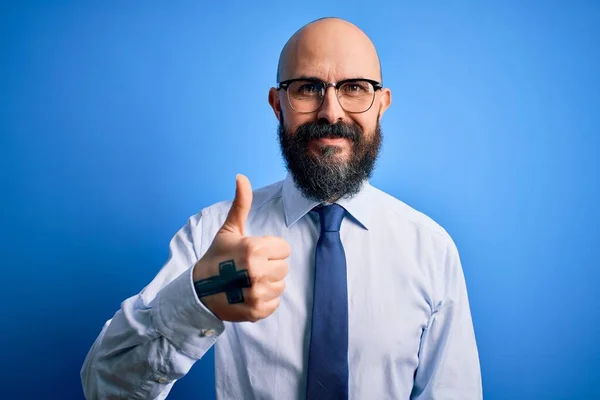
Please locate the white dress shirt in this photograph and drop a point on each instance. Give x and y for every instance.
(410, 329)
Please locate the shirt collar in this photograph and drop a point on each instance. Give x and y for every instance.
(295, 205)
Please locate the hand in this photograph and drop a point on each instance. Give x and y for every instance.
(263, 258)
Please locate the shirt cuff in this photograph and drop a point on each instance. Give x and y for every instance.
(183, 319)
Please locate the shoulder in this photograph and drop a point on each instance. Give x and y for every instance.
(398, 212)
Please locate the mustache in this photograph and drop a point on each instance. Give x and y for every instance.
(339, 130)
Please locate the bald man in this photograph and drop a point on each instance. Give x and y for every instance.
(319, 286)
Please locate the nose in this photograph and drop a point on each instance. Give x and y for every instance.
(330, 110)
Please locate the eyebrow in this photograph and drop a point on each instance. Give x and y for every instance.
(314, 78)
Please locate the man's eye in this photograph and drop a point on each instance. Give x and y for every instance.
(310, 88)
(354, 88)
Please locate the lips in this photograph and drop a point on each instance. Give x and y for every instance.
(331, 141)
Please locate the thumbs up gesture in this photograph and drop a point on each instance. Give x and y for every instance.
(262, 257)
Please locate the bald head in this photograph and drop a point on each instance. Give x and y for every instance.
(331, 49)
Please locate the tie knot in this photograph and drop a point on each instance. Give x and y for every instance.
(331, 217)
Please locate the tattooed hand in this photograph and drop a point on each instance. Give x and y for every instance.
(230, 254)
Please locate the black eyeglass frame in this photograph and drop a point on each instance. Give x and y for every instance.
(286, 84)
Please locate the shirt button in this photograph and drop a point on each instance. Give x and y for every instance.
(208, 332)
(162, 379)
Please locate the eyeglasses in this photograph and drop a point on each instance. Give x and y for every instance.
(306, 95)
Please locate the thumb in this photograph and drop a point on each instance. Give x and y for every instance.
(238, 213)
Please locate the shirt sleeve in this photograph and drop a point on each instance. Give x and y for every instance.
(448, 357)
(157, 335)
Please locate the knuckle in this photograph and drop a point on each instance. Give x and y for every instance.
(285, 268)
(248, 245)
(282, 287)
(255, 315)
(247, 255)
(277, 291)
(247, 241)
(280, 271)
(254, 274)
(252, 299)
(245, 263)
(274, 304)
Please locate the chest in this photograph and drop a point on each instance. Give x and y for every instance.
(389, 296)
(390, 292)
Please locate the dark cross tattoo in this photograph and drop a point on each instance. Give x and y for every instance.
(229, 281)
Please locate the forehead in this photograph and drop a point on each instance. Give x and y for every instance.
(332, 57)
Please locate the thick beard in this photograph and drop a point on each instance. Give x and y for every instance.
(326, 177)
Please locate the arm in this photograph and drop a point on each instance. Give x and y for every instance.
(157, 335)
(448, 357)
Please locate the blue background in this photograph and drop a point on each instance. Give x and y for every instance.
(119, 121)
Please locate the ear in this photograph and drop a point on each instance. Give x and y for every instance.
(274, 102)
(385, 100)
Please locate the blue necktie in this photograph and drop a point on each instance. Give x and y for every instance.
(328, 353)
